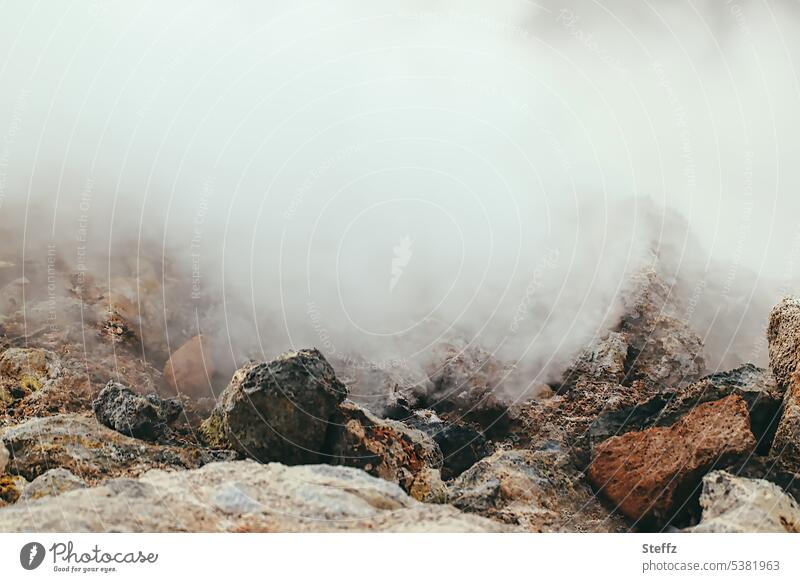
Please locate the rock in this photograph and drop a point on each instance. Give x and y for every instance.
(145, 417)
(467, 384)
(755, 385)
(242, 496)
(428, 486)
(4, 457)
(283, 410)
(537, 490)
(11, 487)
(51, 483)
(651, 476)
(384, 448)
(783, 335)
(25, 371)
(662, 350)
(461, 445)
(190, 369)
(603, 361)
(737, 505)
(786, 445)
(90, 450)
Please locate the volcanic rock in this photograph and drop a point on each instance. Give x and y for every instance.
(4, 457)
(755, 385)
(51, 483)
(603, 361)
(190, 369)
(783, 335)
(24, 371)
(145, 417)
(11, 487)
(242, 496)
(384, 448)
(90, 450)
(538, 490)
(786, 445)
(652, 475)
(283, 410)
(737, 505)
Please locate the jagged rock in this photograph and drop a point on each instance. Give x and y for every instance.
(768, 469)
(603, 361)
(11, 488)
(384, 448)
(428, 486)
(283, 410)
(737, 505)
(466, 383)
(242, 496)
(190, 369)
(662, 350)
(461, 445)
(145, 417)
(4, 457)
(51, 483)
(755, 385)
(786, 445)
(783, 335)
(538, 490)
(652, 475)
(90, 450)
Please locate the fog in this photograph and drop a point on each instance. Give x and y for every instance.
(375, 177)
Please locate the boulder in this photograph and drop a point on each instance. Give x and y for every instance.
(90, 450)
(755, 385)
(145, 417)
(786, 445)
(283, 410)
(783, 335)
(603, 361)
(242, 496)
(190, 368)
(25, 371)
(384, 448)
(737, 505)
(51, 483)
(653, 475)
(538, 490)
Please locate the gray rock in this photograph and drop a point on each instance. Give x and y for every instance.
(283, 410)
(538, 490)
(51, 483)
(603, 361)
(783, 335)
(90, 450)
(737, 505)
(145, 417)
(243, 496)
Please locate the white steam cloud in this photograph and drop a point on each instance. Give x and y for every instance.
(372, 177)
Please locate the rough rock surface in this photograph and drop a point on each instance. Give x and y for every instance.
(737, 505)
(537, 490)
(190, 369)
(24, 371)
(242, 496)
(90, 450)
(4, 457)
(145, 417)
(283, 410)
(384, 448)
(51, 483)
(783, 335)
(786, 445)
(603, 361)
(11, 488)
(755, 385)
(652, 475)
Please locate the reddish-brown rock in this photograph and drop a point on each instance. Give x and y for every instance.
(651, 474)
(190, 368)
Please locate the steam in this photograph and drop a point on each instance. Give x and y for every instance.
(375, 177)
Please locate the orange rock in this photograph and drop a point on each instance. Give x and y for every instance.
(650, 474)
(190, 369)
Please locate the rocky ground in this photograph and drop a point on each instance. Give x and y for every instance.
(106, 427)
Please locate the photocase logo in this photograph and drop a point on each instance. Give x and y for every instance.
(31, 555)
(402, 256)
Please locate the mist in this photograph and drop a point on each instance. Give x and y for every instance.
(374, 177)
